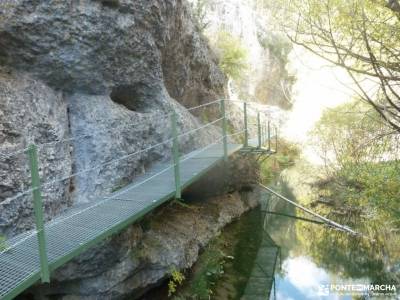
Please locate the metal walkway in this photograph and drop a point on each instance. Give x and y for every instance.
(74, 232)
(33, 255)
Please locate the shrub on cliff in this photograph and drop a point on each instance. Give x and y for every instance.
(232, 55)
(199, 12)
(286, 157)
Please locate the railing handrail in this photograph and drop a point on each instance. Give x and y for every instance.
(164, 115)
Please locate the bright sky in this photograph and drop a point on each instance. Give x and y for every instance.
(319, 85)
(303, 279)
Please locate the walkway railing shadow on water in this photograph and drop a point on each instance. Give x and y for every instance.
(261, 283)
(19, 275)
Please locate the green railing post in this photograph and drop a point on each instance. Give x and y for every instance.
(264, 133)
(175, 154)
(38, 210)
(259, 129)
(224, 130)
(246, 131)
(269, 135)
(276, 139)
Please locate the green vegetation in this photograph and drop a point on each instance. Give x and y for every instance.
(362, 169)
(211, 269)
(227, 260)
(373, 186)
(208, 270)
(177, 279)
(279, 46)
(374, 255)
(199, 11)
(232, 55)
(358, 186)
(360, 36)
(350, 256)
(352, 133)
(286, 157)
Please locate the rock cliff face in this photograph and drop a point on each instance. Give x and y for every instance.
(100, 47)
(91, 81)
(266, 80)
(30, 112)
(101, 76)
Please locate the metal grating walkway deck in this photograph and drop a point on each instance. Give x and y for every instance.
(81, 228)
(253, 147)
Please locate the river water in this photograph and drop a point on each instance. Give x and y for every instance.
(320, 262)
(313, 261)
(280, 252)
(316, 262)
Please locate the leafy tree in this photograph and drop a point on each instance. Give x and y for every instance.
(361, 159)
(361, 36)
(352, 133)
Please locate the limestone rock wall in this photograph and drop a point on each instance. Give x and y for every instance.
(31, 112)
(101, 76)
(266, 79)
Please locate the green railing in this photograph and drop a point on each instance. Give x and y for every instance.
(38, 211)
(224, 130)
(246, 129)
(263, 131)
(175, 154)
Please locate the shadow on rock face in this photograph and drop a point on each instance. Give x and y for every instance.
(135, 97)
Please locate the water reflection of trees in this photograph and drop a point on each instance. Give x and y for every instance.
(373, 255)
(347, 255)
